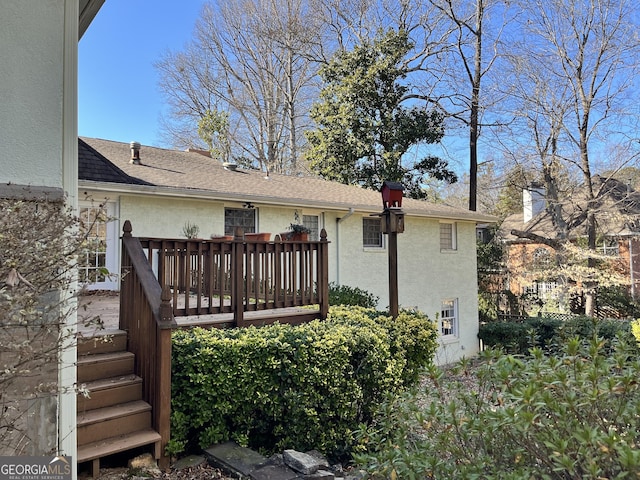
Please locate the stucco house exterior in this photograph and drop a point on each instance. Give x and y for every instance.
(617, 210)
(38, 151)
(161, 191)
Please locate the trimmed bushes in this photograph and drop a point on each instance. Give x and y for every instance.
(346, 295)
(282, 386)
(518, 337)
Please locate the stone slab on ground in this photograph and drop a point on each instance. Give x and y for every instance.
(274, 472)
(235, 459)
(189, 462)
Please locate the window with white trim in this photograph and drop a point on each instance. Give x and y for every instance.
(97, 261)
(449, 317)
(312, 223)
(371, 232)
(448, 239)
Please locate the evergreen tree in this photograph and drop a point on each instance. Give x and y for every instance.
(367, 119)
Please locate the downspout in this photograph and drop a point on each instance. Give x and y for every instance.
(339, 220)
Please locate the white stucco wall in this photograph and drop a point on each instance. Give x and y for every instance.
(31, 89)
(426, 275)
(153, 216)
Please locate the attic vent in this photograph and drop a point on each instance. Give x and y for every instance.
(230, 166)
(135, 153)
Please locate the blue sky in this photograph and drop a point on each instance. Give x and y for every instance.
(118, 95)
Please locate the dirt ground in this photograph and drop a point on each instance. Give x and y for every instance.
(201, 472)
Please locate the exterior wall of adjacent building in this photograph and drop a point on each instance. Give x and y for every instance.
(31, 88)
(427, 275)
(38, 159)
(524, 269)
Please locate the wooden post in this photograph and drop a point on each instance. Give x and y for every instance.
(323, 276)
(393, 223)
(393, 274)
(237, 282)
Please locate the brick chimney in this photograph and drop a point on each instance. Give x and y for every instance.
(135, 153)
(533, 201)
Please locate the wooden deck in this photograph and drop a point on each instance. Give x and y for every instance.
(106, 305)
(181, 283)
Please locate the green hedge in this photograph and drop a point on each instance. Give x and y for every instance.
(346, 295)
(518, 337)
(282, 386)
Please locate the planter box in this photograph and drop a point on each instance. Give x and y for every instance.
(223, 238)
(259, 237)
(294, 237)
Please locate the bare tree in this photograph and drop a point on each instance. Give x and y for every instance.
(250, 58)
(581, 60)
(475, 30)
(41, 243)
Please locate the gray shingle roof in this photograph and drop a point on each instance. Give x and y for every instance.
(92, 165)
(186, 173)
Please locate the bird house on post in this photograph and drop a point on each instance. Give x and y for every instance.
(392, 223)
(392, 194)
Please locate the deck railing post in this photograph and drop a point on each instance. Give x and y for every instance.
(323, 274)
(237, 278)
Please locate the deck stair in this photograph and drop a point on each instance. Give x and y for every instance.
(114, 418)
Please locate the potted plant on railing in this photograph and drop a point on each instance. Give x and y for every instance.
(257, 236)
(297, 232)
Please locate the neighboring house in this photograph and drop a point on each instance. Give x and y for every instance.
(160, 191)
(38, 153)
(617, 210)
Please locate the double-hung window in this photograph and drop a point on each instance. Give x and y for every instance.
(371, 233)
(449, 317)
(311, 222)
(448, 240)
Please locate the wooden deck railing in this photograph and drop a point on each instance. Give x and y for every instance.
(145, 313)
(208, 277)
(205, 277)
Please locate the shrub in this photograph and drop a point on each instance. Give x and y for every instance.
(518, 337)
(617, 299)
(345, 295)
(282, 386)
(574, 415)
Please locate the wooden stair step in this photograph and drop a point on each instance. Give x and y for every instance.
(103, 341)
(104, 365)
(120, 443)
(110, 391)
(101, 423)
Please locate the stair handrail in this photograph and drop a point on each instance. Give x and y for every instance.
(147, 317)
